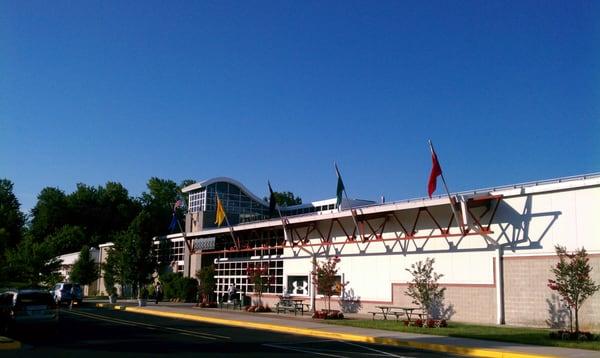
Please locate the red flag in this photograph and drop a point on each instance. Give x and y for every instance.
(436, 170)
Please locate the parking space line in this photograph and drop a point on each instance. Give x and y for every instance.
(148, 326)
(303, 350)
(374, 350)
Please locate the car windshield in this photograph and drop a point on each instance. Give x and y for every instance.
(34, 298)
(67, 287)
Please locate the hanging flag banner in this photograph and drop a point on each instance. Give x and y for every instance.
(272, 201)
(436, 170)
(219, 213)
(206, 243)
(340, 187)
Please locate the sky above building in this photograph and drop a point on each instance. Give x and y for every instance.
(123, 91)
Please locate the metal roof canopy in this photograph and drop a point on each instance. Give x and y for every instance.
(371, 221)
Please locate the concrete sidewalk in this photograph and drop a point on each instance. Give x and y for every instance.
(305, 325)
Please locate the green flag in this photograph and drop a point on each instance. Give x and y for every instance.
(340, 187)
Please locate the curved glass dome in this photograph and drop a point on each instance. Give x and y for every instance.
(239, 203)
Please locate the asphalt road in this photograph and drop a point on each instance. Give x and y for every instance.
(91, 332)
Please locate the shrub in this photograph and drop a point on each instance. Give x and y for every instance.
(324, 275)
(176, 286)
(328, 314)
(424, 288)
(572, 280)
(206, 277)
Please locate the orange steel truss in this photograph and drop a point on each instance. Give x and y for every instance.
(480, 213)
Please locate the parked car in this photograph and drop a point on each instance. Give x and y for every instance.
(26, 307)
(62, 293)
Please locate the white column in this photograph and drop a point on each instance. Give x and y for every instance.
(499, 286)
(313, 286)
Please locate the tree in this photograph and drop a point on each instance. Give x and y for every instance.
(424, 289)
(285, 198)
(325, 277)
(208, 282)
(109, 273)
(133, 253)
(118, 209)
(49, 214)
(11, 217)
(158, 201)
(258, 276)
(85, 269)
(572, 280)
(65, 240)
(33, 263)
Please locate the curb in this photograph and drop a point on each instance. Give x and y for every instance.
(397, 342)
(9, 343)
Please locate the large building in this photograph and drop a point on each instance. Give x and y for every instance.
(495, 254)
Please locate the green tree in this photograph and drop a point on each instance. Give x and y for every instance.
(133, 253)
(85, 269)
(11, 217)
(158, 201)
(572, 280)
(33, 263)
(285, 198)
(65, 240)
(84, 209)
(118, 210)
(424, 288)
(325, 277)
(110, 273)
(49, 214)
(207, 282)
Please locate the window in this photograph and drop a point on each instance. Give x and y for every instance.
(234, 273)
(297, 285)
(197, 201)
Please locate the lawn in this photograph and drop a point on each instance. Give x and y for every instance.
(536, 336)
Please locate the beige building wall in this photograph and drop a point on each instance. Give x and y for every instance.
(528, 224)
(529, 301)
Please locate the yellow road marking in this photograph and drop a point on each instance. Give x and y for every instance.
(437, 347)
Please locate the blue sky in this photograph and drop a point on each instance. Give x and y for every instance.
(123, 91)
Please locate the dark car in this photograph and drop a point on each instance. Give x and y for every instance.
(26, 307)
(64, 292)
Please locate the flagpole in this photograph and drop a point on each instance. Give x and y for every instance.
(362, 237)
(447, 191)
(235, 242)
(283, 220)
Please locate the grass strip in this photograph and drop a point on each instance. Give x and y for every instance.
(534, 336)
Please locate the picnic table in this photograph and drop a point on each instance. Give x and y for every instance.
(287, 304)
(226, 301)
(408, 312)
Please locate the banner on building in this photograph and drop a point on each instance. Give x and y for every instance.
(207, 243)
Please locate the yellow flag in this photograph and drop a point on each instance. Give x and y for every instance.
(220, 213)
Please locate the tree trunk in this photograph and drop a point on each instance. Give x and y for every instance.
(576, 319)
(570, 319)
